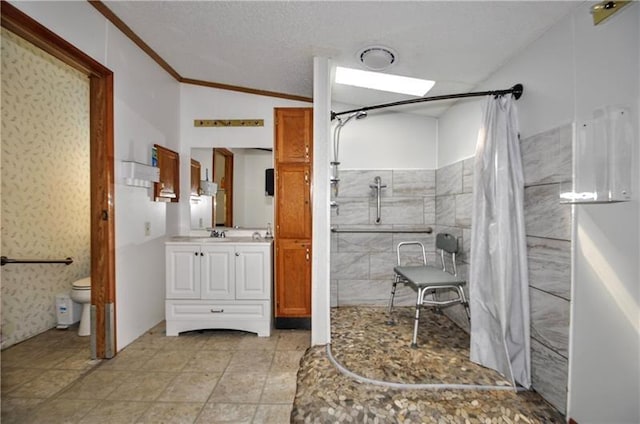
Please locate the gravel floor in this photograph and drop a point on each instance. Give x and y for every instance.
(364, 344)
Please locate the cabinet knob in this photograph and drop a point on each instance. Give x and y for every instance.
(201, 254)
(237, 253)
(195, 253)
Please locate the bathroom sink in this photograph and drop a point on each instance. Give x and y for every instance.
(210, 239)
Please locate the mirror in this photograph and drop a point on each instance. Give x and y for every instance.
(240, 200)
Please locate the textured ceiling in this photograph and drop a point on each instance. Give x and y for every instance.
(270, 46)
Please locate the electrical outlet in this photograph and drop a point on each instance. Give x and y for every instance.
(147, 228)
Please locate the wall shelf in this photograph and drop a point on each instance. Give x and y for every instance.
(138, 174)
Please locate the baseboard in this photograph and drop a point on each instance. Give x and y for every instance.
(293, 323)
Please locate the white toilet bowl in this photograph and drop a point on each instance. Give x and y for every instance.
(81, 293)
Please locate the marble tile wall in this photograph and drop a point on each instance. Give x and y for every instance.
(362, 263)
(546, 161)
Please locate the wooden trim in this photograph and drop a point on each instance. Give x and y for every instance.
(26, 27)
(228, 177)
(102, 206)
(101, 152)
(126, 30)
(246, 90)
(572, 421)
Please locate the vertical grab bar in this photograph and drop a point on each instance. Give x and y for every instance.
(378, 186)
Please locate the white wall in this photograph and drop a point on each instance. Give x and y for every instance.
(571, 70)
(387, 140)
(145, 112)
(199, 102)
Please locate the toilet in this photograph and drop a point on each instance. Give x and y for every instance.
(81, 293)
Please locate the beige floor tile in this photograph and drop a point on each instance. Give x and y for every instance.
(272, 414)
(286, 360)
(253, 342)
(209, 360)
(15, 410)
(62, 411)
(171, 413)
(223, 341)
(294, 340)
(168, 360)
(78, 361)
(20, 355)
(149, 340)
(188, 341)
(142, 385)
(258, 360)
(191, 387)
(239, 387)
(48, 383)
(280, 387)
(52, 357)
(15, 377)
(236, 413)
(131, 358)
(96, 385)
(115, 412)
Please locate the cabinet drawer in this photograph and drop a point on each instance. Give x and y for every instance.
(211, 311)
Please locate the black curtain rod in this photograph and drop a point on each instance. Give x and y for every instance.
(516, 90)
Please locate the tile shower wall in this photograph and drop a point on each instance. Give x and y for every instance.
(362, 263)
(45, 184)
(546, 161)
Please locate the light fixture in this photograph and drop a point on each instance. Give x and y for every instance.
(383, 82)
(377, 58)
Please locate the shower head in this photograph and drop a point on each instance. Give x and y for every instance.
(358, 115)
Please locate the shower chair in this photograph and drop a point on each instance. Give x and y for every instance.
(429, 280)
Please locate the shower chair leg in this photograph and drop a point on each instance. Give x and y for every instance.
(414, 341)
(390, 321)
(464, 302)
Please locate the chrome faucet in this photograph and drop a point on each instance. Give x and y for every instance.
(218, 234)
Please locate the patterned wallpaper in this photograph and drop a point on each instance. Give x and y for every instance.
(45, 184)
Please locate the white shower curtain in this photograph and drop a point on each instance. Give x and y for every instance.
(498, 283)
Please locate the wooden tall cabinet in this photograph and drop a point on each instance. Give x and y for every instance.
(293, 171)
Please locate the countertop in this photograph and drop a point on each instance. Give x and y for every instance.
(217, 240)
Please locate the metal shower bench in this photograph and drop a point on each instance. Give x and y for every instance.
(425, 279)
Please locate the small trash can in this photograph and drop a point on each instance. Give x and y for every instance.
(67, 311)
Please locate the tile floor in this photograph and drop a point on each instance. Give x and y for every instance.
(199, 377)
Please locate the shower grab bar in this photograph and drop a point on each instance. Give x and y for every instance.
(4, 260)
(426, 230)
(378, 186)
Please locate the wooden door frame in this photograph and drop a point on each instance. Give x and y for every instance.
(102, 165)
(228, 176)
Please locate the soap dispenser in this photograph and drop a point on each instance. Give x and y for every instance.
(269, 233)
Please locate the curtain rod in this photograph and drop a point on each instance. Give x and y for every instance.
(516, 90)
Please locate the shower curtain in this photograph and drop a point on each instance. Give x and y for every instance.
(498, 283)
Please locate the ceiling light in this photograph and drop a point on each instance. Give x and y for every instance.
(377, 58)
(383, 82)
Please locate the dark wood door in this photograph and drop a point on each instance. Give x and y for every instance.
(294, 128)
(293, 201)
(293, 297)
(293, 169)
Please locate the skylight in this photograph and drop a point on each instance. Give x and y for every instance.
(383, 82)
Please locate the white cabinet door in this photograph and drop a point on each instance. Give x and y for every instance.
(218, 272)
(253, 272)
(183, 272)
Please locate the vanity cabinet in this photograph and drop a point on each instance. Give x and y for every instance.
(218, 285)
